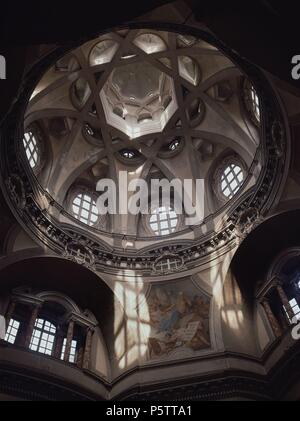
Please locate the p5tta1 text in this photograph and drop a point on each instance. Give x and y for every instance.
(170, 410)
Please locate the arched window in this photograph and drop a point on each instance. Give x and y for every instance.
(280, 295)
(252, 102)
(163, 221)
(53, 333)
(32, 149)
(150, 43)
(103, 52)
(84, 209)
(43, 337)
(231, 180)
(12, 331)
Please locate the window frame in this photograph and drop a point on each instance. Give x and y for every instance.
(218, 172)
(93, 203)
(235, 171)
(167, 152)
(73, 350)
(168, 263)
(137, 159)
(44, 330)
(11, 326)
(293, 306)
(159, 231)
(34, 135)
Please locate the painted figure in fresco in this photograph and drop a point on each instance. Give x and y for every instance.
(177, 320)
(174, 313)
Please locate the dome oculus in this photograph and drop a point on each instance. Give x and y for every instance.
(138, 98)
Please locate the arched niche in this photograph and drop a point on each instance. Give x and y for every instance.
(253, 268)
(256, 253)
(52, 278)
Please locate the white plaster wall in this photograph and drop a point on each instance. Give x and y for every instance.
(99, 359)
(263, 334)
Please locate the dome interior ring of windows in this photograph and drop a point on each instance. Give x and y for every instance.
(138, 102)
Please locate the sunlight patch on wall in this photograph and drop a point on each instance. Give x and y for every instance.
(132, 332)
(233, 318)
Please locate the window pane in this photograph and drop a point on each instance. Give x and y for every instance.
(84, 209)
(72, 350)
(231, 180)
(42, 339)
(12, 331)
(163, 221)
(31, 148)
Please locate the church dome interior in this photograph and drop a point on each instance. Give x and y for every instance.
(158, 105)
(192, 291)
